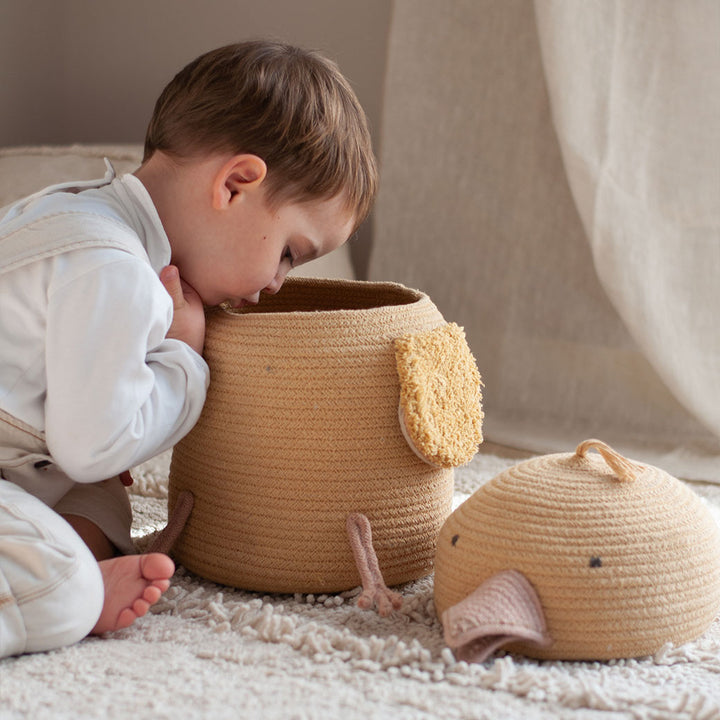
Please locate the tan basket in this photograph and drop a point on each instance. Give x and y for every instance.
(623, 557)
(300, 428)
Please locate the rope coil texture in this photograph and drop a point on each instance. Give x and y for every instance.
(299, 430)
(624, 558)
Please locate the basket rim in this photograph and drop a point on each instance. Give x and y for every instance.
(407, 298)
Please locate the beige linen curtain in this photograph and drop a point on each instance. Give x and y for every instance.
(635, 93)
(550, 176)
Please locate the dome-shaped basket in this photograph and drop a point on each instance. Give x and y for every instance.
(621, 557)
(300, 429)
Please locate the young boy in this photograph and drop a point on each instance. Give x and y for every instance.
(257, 159)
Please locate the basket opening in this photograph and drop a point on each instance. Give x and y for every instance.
(316, 294)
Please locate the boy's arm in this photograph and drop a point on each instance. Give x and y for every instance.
(188, 322)
(119, 390)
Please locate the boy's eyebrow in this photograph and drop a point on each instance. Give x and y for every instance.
(310, 250)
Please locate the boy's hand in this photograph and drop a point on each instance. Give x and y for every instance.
(188, 322)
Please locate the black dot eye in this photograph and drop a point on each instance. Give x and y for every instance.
(595, 562)
(454, 540)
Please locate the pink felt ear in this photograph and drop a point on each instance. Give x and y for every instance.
(504, 609)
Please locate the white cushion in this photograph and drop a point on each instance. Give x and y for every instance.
(24, 170)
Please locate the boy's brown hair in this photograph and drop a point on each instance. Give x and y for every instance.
(289, 106)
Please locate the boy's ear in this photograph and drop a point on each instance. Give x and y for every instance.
(241, 173)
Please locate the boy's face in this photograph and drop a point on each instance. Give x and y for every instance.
(250, 247)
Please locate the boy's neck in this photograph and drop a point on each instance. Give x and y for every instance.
(174, 188)
(156, 174)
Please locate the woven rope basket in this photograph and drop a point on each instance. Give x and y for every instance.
(624, 558)
(300, 429)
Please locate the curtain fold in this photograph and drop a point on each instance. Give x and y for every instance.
(635, 94)
(483, 205)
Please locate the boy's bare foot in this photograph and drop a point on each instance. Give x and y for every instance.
(132, 584)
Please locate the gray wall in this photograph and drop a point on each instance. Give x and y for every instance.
(89, 71)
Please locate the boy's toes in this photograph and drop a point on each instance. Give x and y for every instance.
(157, 567)
(126, 618)
(140, 607)
(152, 594)
(161, 585)
(132, 584)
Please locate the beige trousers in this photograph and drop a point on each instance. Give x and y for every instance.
(25, 461)
(51, 588)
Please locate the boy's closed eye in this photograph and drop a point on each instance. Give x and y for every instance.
(288, 255)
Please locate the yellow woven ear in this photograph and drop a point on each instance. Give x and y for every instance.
(440, 395)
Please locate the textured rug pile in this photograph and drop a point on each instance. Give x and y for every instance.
(208, 651)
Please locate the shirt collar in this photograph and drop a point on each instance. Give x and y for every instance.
(140, 213)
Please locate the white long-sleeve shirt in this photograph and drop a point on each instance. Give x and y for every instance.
(83, 352)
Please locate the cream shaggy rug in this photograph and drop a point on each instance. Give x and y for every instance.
(208, 651)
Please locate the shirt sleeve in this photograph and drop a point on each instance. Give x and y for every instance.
(118, 391)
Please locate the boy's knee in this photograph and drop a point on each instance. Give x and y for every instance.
(48, 611)
(51, 588)
(67, 613)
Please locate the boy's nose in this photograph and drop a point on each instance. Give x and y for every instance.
(276, 282)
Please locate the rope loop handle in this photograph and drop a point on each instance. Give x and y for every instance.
(625, 470)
